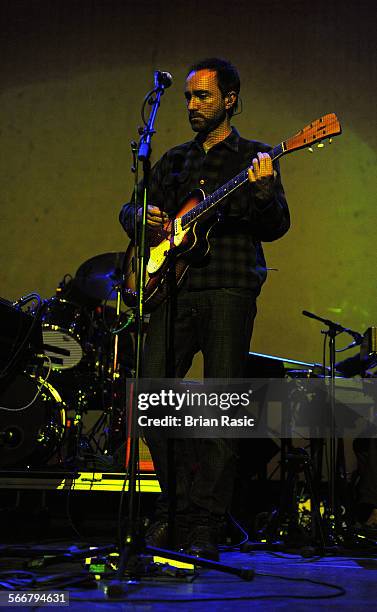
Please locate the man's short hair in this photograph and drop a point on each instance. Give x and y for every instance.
(228, 78)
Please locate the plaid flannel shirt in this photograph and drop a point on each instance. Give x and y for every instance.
(236, 256)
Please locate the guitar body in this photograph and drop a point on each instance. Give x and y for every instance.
(183, 240)
(170, 244)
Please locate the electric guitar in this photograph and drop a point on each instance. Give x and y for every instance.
(183, 239)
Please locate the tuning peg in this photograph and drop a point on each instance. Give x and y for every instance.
(310, 149)
(330, 140)
(320, 145)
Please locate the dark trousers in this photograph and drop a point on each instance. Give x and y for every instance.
(199, 473)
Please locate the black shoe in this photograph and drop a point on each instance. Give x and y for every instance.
(203, 543)
(157, 535)
(369, 530)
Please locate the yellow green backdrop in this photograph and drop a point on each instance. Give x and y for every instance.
(73, 78)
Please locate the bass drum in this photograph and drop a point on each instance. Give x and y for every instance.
(65, 327)
(32, 422)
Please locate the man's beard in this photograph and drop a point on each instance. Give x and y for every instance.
(206, 125)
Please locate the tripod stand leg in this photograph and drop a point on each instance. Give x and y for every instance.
(316, 519)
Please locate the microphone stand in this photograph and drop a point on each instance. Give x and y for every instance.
(334, 329)
(144, 150)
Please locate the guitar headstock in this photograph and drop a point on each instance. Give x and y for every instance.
(318, 130)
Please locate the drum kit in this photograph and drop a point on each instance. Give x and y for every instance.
(84, 355)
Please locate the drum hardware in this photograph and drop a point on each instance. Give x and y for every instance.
(334, 527)
(69, 289)
(77, 449)
(99, 355)
(33, 423)
(284, 523)
(67, 328)
(117, 437)
(284, 527)
(100, 277)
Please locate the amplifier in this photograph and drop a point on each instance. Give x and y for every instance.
(20, 338)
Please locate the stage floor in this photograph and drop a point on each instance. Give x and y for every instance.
(281, 581)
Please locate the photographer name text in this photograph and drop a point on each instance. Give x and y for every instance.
(190, 421)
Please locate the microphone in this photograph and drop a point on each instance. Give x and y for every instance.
(162, 79)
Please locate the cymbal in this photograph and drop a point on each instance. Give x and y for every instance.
(98, 276)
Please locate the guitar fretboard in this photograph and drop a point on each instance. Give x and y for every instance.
(221, 193)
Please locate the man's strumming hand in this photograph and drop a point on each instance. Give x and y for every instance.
(155, 216)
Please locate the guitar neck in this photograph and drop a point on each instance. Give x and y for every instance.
(213, 200)
(326, 126)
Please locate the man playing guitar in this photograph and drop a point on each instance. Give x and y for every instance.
(215, 304)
